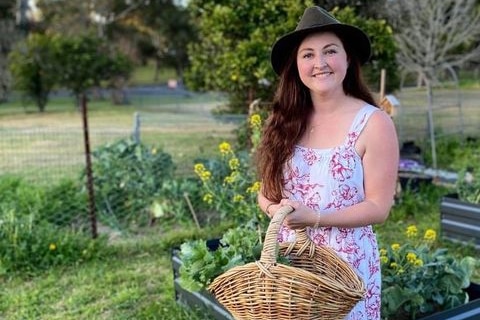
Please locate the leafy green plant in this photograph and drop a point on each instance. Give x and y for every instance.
(419, 279)
(128, 180)
(468, 185)
(454, 152)
(65, 204)
(29, 244)
(201, 264)
(38, 226)
(412, 203)
(229, 181)
(16, 194)
(34, 67)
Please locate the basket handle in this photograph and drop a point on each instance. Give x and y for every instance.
(269, 251)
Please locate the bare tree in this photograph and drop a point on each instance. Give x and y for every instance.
(434, 37)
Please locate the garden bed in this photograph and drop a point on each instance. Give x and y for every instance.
(460, 220)
(205, 301)
(201, 299)
(468, 311)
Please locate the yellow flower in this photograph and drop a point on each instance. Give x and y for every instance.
(205, 175)
(418, 263)
(208, 198)
(234, 163)
(154, 151)
(383, 259)
(199, 168)
(430, 235)
(383, 252)
(255, 121)
(52, 247)
(411, 257)
(395, 246)
(400, 271)
(202, 173)
(225, 148)
(393, 265)
(237, 198)
(411, 231)
(255, 187)
(229, 179)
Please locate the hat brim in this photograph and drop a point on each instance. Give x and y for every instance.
(359, 43)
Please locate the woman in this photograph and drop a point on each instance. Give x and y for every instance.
(327, 149)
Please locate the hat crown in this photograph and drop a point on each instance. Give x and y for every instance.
(317, 19)
(314, 17)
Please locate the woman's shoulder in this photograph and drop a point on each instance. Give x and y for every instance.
(379, 121)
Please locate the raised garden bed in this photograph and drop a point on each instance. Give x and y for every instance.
(460, 220)
(197, 300)
(205, 301)
(468, 311)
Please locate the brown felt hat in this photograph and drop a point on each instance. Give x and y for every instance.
(318, 19)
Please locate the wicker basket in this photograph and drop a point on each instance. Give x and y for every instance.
(316, 285)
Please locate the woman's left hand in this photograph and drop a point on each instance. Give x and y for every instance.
(301, 217)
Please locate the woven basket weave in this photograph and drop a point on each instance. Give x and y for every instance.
(316, 285)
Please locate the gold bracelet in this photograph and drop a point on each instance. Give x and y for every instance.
(268, 207)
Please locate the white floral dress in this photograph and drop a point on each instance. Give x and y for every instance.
(327, 180)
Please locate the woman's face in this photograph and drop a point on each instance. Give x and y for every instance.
(322, 62)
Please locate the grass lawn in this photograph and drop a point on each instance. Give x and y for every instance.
(134, 280)
(54, 142)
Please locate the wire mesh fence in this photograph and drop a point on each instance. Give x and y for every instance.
(136, 150)
(428, 127)
(143, 153)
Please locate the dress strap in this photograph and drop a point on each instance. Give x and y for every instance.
(359, 123)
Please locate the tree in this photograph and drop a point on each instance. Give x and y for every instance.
(233, 51)
(165, 29)
(141, 29)
(383, 47)
(233, 55)
(34, 68)
(433, 37)
(85, 61)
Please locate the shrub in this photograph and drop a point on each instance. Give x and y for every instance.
(468, 185)
(420, 279)
(229, 182)
(32, 235)
(65, 204)
(28, 244)
(128, 180)
(17, 195)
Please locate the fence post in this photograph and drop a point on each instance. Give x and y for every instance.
(136, 127)
(91, 196)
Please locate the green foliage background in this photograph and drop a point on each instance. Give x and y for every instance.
(233, 53)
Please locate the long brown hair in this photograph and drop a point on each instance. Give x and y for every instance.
(291, 108)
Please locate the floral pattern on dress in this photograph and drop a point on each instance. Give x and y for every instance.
(328, 180)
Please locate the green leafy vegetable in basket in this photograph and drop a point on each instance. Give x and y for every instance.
(200, 264)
